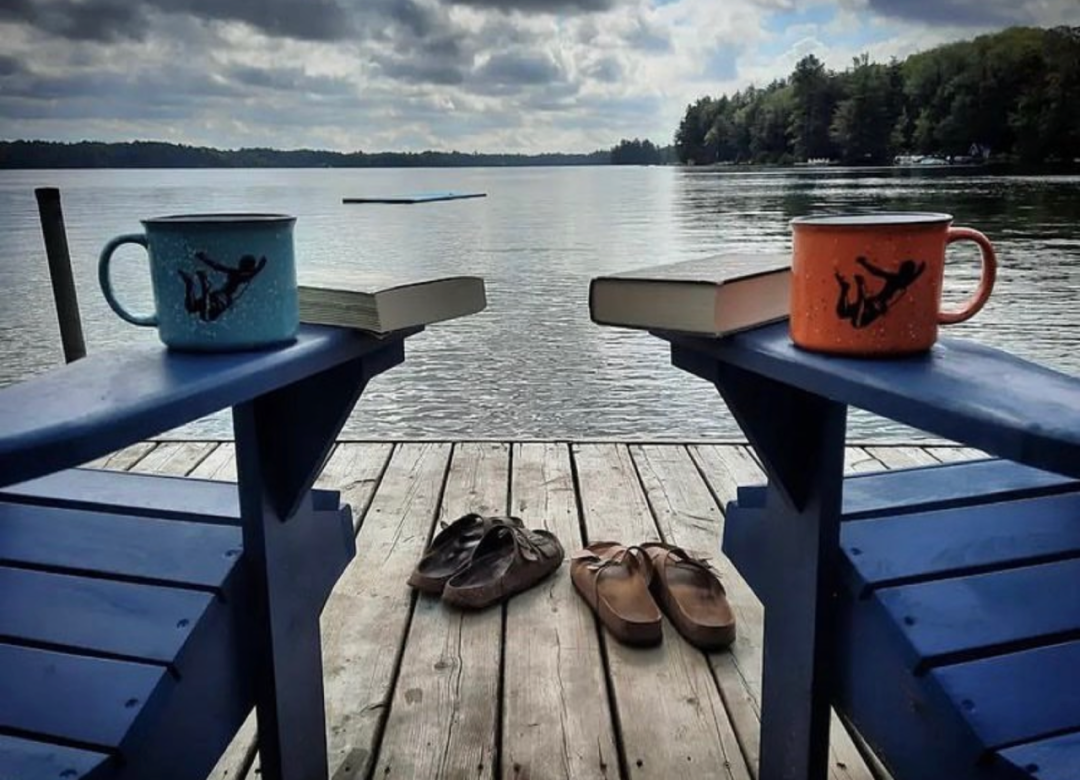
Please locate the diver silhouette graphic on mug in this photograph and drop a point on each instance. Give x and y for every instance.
(209, 302)
(867, 308)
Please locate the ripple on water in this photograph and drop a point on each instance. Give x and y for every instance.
(533, 365)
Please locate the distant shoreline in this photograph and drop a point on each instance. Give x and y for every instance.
(152, 155)
(45, 155)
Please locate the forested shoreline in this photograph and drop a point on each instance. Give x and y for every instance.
(156, 154)
(1011, 95)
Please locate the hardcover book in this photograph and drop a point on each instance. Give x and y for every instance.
(713, 296)
(382, 304)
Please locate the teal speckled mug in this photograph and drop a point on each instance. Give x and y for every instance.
(221, 282)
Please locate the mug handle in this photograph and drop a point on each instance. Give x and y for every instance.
(986, 283)
(149, 320)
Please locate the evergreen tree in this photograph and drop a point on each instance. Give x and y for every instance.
(814, 96)
(1016, 92)
(863, 122)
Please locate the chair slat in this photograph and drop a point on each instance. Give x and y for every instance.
(94, 615)
(970, 616)
(1057, 758)
(25, 759)
(947, 485)
(194, 555)
(73, 699)
(932, 545)
(1017, 697)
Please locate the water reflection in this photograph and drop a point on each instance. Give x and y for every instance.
(533, 365)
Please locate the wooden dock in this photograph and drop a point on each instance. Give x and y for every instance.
(532, 690)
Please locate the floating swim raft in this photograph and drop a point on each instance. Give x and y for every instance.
(422, 197)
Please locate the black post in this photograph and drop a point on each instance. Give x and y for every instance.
(63, 284)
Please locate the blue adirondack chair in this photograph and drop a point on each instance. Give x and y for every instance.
(142, 617)
(936, 608)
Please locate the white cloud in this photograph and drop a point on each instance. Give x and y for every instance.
(412, 74)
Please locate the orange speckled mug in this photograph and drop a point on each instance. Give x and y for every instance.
(870, 285)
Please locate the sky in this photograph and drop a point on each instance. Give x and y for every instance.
(468, 75)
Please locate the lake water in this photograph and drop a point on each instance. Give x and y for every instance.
(533, 365)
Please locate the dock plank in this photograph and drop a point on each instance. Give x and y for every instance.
(124, 459)
(739, 671)
(554, 715)
(857, 460)
(663, 691)
(955, 454)
(902, 457)
(444, 715)
(556, 719)
(174, 458)
(688, 516)
(219, 464)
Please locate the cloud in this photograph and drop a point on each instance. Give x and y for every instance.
(111, 20)
(512, 75)
(100, 20)
(308, 20)
(287, 79)
(606, 69)
(420, 72)
(648, 35)
(9, 66)
(514, 69)
(542, 6)
(980, 13)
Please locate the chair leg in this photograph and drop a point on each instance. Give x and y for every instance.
(283, 640)
(293, 555)
(800, 440)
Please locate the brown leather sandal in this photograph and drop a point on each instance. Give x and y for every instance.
(508, 560)
(614, 581)
(691, 595)
(452, 549)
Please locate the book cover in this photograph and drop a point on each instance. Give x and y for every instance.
(712, 296)
(382, 303)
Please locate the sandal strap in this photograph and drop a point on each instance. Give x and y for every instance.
(483, 523)
(683, 556)
(524, 541)
(634, 558)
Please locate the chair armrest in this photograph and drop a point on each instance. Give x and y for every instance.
(960, 390)
(104, 402)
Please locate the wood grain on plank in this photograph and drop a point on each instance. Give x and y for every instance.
(174, 458)
(556, 719)
(739, 671)
(956, 454)
(858, 461)
(672, 718)
(240, 755)
(355, 470)
(688, 516)
(219, 464)
(902, 457)
(444, 715)
(124, 459)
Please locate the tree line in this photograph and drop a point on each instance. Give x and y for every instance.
(1014, 94)
(641, 152)
(153, 154)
